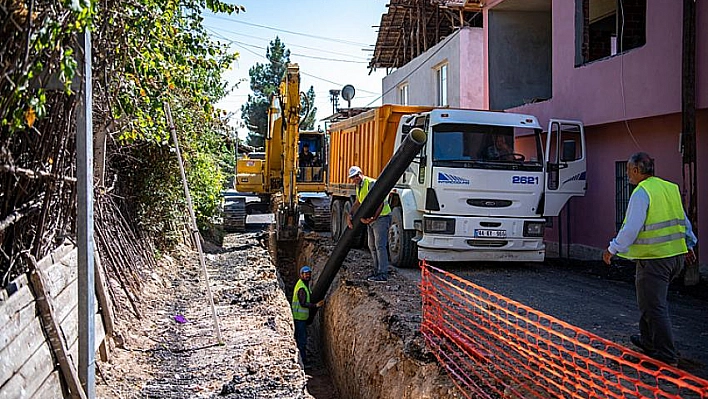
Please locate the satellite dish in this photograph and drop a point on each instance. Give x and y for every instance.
(348, 93)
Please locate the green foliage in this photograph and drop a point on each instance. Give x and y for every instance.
(157, 53)
(308, 111)
(146, 53)
(48, 55)
(265, 80)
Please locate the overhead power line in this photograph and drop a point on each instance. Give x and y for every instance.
(331, 39)
(301, 55)
(304, 73)
(215, 29)
(231, 41)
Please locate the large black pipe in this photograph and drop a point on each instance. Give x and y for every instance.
(386, 181)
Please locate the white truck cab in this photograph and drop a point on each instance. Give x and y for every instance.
(482, 186)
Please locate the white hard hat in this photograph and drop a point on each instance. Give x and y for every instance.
(353, 171)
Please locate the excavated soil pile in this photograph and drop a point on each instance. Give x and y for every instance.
(370, 331)
(172, 352)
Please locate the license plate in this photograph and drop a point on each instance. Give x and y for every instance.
(490, 233)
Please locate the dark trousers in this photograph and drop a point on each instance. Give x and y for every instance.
(652, 283)
(301, 338)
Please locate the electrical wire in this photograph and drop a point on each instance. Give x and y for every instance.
(341, 41)
(307, 74)
(624, 100)
(214, 29)
(231, 41)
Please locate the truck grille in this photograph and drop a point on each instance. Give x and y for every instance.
(487, 243)
(489, 203)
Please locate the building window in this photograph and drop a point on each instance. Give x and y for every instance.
(623, 190)
(441, 82)
(609, 27)
(403, 94)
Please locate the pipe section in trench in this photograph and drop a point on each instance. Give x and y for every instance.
(393, 170)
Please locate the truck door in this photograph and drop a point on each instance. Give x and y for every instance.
(565, 164)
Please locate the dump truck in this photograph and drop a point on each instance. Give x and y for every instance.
(480, 189)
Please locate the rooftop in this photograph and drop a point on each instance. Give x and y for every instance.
(411, 27)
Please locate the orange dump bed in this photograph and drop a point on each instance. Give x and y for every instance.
(365, 140)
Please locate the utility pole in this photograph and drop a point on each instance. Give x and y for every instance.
(334, 98)
(688, 126)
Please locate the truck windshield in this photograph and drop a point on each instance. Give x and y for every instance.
(486, 146)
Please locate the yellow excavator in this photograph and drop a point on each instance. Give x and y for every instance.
(293, 169)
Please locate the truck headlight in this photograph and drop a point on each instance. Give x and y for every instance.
(439, 225)
(534, 229)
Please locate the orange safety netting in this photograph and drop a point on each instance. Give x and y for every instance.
(494, 347)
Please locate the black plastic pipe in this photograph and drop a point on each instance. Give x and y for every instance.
(386, 181)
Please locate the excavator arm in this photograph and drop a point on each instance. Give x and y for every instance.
(287, 214)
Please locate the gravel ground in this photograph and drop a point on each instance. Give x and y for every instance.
(159, 357)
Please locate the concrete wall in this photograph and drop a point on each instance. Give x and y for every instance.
(463, 53)
(519, 51)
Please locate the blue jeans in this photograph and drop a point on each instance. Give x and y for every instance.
(301, 338)
(378, 243)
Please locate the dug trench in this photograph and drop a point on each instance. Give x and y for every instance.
(365, 342)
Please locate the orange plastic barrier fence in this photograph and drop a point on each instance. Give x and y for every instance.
(494, 347)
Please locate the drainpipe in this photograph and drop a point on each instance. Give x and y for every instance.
(393, 170)
(688, 126)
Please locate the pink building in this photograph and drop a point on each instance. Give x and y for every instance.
(616, 65)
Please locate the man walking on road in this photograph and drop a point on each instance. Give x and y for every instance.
(301, 306)
(656, 234)
(377, 224)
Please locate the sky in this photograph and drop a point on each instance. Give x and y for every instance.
(329, 40)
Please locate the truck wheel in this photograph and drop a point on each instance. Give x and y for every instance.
(402, 250)
(336, 220)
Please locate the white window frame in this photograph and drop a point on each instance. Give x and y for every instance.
(403, 94)
(441, 80)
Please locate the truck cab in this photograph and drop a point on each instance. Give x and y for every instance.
(482, 186)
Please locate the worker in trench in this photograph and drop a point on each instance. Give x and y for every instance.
(301, 306)
(657, 235)
(377, 224)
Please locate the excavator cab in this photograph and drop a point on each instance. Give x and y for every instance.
(311, 161)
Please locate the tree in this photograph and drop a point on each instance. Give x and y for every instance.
(265, 80)
(308, 111)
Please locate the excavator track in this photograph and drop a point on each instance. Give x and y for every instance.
(235, 214)
(321, 219)
(317, 211)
